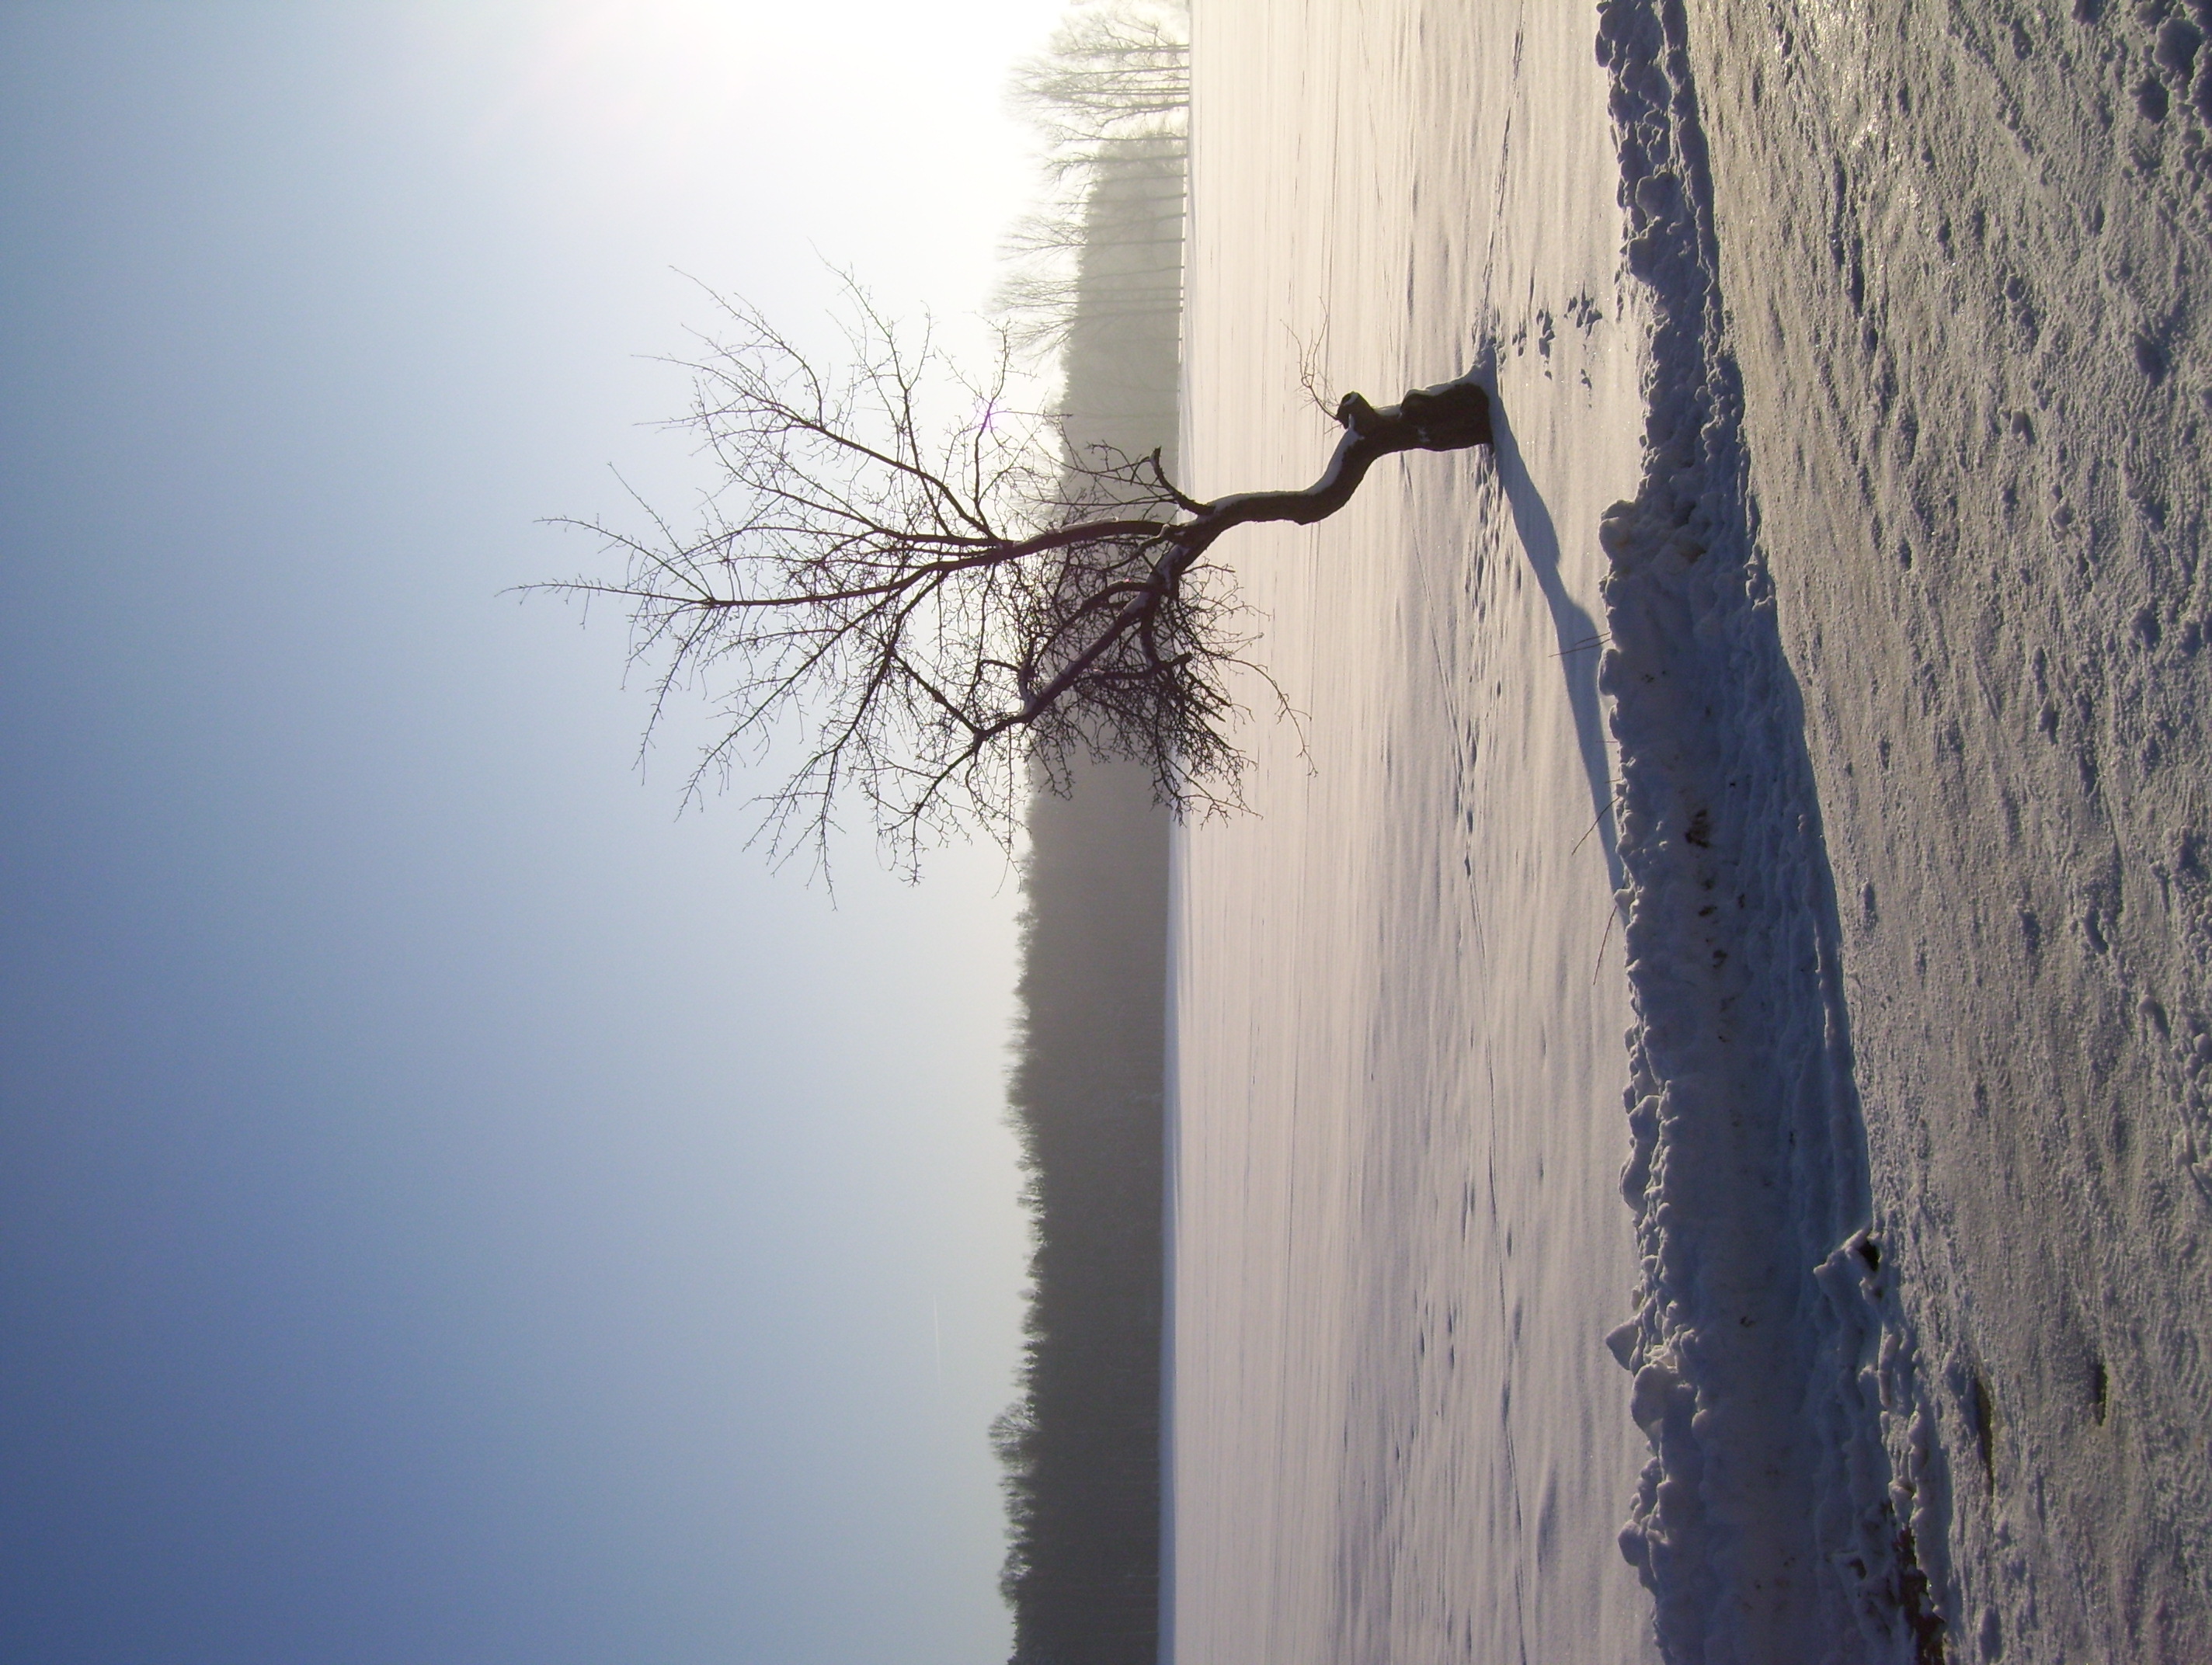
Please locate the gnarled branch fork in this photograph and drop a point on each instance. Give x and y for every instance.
(1453, 416)
(938, 604)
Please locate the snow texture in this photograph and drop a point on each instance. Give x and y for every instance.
(1399, 1241)
(1793, 1506)
(1884, 322)
(1933, 451)
(1964, 256)
(1946, 474)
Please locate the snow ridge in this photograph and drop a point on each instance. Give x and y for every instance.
(1796, 1502)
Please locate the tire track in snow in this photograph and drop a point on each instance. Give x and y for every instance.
(1796, 1505)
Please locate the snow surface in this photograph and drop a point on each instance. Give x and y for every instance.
(1793, 1508)
(1964, 274)
(1399, 1239)
(1875, 323)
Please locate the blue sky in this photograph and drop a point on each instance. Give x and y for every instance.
(452, 1206)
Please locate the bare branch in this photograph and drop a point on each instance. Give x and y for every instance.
(934, 612)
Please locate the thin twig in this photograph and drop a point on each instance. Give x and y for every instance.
(1593, 827)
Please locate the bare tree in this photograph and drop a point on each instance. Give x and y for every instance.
(916, 586)
(1109, 97)
(1114, 73)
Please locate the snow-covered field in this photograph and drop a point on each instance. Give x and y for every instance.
(1853, 367)
(1398, 1240)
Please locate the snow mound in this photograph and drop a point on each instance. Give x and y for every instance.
(1796, 1505)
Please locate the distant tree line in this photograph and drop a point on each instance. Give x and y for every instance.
(1081, 1446)
(1110, 101)
(1097, 274)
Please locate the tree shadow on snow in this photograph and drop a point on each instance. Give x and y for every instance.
(1578, 634)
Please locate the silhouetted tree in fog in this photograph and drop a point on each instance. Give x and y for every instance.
(926, 592)
(937, 608)
(1109, 101)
